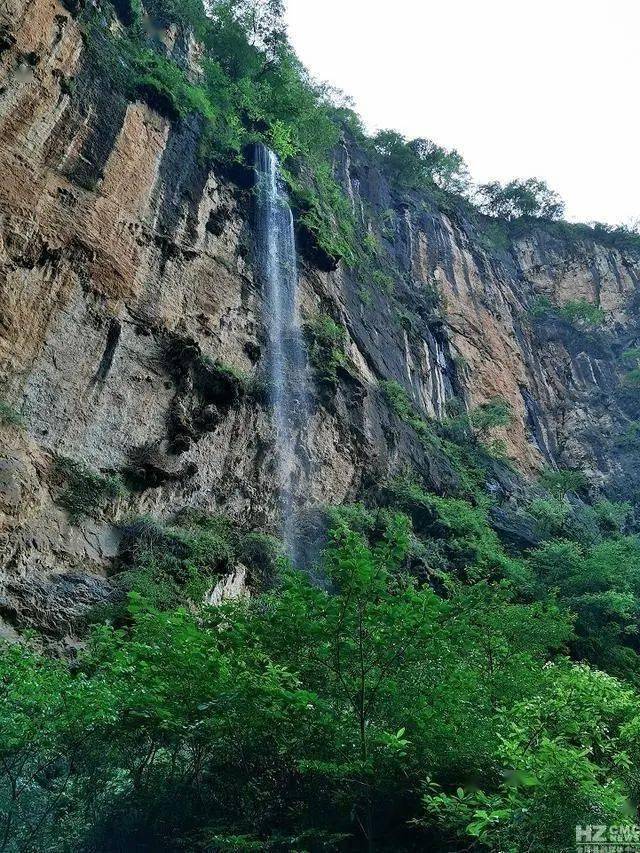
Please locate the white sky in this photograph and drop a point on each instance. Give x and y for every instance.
(523, 88)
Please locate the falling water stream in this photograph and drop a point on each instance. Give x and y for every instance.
(286, 350)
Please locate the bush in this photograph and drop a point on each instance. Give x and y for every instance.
(488, 416)
(551, 515)
(220, 383)
(327, 342)
(632, 355)
(9, 416)
(84, 492)
(560, 482)
(171, 564)
(613, 516)
(578, 312)
(383, 281)
(474, 428)
(472, 549)
(583, 312)
(165, 87)
(632, 378)
(630, 438)
(262, 553)
(397, 398)
(557, 518)
(452, 438)
(494, 235)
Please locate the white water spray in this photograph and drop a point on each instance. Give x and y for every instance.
(286, 350)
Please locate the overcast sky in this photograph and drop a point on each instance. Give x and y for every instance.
(542, 88)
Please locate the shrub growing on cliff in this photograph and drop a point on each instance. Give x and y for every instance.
(631, 379)
(83, 491)
(327, 342)
(492, 415)
(397, 397)
(9, 416)
(175, 563)
(557, 517)
(475, 426)
(582, 311)
(632, 356)
(185, 13)
(562, 481)
(471, 548)
(453, 438)
(220, 383)
(169, 564)
(579, 312)
(165, 87)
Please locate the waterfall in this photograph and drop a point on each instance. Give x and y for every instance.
(286, 350)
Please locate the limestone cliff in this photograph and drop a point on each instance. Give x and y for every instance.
(126, 269)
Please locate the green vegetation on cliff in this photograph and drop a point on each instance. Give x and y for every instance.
(249, 86)
(446, 687)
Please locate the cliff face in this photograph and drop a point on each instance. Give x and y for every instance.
(126, 263)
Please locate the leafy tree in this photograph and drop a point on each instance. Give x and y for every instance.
(517, 199)
(446, 168)
(302, 717)
(262, 21)
(601, 584)
(421, 162)
(558, 751)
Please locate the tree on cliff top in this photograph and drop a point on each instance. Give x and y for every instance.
(262, 21)
(520, 198)
(421, 162)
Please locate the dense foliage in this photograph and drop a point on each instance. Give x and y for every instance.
(402, 708)
(442, 688)
(520, 198)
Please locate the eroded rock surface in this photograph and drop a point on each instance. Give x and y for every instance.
(126, 264)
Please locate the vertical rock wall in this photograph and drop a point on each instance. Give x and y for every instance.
(126, 265)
